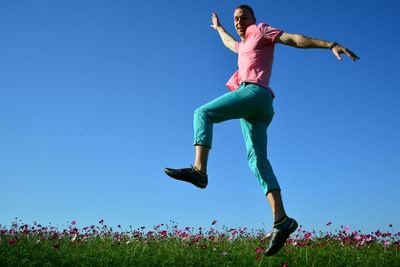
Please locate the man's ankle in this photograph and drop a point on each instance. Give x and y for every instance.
(281, 220)
(200, 170)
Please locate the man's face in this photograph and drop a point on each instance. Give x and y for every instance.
(243, 19)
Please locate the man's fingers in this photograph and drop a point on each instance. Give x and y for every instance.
(214, 20)
(351, 54)
(336, 53)
(341, 50)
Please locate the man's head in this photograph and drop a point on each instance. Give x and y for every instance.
(243, 18)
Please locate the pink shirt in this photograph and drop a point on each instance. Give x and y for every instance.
(255, 56)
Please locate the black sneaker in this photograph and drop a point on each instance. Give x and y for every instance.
(280, 233)
(190, 175)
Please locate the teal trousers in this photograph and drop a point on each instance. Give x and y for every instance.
(252, 104)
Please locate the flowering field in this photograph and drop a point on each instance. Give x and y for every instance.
(170, 245)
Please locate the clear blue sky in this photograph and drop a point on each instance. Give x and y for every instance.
(97, 97)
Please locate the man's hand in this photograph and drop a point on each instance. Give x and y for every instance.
(338, 50)
(226, 38)
(215, 21)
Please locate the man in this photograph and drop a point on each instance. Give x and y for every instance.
(250, 100)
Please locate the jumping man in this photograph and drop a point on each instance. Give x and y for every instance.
(250, 100)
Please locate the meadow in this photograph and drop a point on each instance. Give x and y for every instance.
(170, 245)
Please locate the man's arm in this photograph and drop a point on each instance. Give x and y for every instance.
(301, 41)
(226, 38)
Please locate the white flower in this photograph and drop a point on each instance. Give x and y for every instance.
(74, 237)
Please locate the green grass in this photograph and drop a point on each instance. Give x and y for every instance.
(163, 246)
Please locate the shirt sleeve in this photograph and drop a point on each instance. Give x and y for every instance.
(268, 32)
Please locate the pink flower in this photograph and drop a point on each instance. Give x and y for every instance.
(12, 241)
(243, 230)
(149, 233)
(308, 235)
(369, 238)
(302, 244)
(214, 222)
(163, 233)
(259, 250)
(386, 234)
(346, 229)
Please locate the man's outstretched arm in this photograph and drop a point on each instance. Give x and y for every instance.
(301, 41)
(226, 38)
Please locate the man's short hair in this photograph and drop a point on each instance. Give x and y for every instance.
(248, 8)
